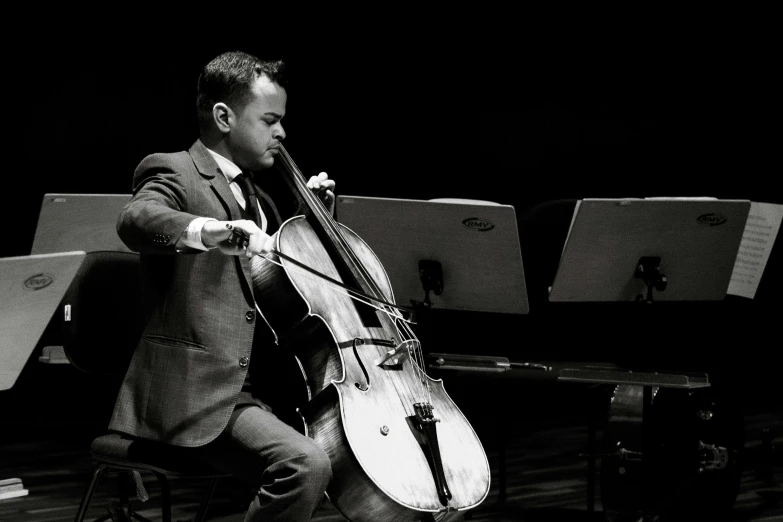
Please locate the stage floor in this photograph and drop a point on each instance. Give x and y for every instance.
(546, 478)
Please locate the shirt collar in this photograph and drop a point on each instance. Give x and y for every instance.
(227, 167)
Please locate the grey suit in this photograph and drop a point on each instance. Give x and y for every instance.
(186, 374)
(188, 369)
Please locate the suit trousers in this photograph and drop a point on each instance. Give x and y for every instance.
(287, 471)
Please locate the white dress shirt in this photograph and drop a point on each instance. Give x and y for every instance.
(191, 237)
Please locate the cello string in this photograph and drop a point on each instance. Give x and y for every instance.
(328, 279)
(340, 289)
(325, 218)
(346, 291)
(419, 368)
(417, 362)
(327, 221)
(392, 314)
(417, 394)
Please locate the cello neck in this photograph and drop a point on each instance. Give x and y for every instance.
(299, 184)
(327, 229)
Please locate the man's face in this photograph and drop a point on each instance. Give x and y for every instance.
(257, 131)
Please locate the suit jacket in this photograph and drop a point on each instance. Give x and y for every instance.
(189, 366)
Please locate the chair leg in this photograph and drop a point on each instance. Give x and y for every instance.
(96, 475)
(121, 509)
(165, 497)
(139, 517)
(124, 502)
(206, 497)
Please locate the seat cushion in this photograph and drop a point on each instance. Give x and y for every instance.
(127, 452)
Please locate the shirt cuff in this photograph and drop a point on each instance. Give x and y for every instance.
(191, 236)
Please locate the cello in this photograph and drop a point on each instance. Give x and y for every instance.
(400, 449)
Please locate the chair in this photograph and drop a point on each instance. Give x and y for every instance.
(101, 323)
(130, 457)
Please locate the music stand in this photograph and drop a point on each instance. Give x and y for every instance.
(645, 250)
(32, 289)
(623, 249)
(88, 222)
(467, 254)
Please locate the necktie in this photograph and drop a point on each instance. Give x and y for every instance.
(245, 181)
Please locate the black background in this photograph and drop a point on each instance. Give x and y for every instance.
(517, 109)
(543, 107)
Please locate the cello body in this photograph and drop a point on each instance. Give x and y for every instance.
(400, 449)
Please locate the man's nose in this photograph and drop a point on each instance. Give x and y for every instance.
(278, 131)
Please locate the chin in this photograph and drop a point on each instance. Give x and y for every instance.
(266, 162)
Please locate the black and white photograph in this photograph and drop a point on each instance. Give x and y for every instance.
(520, 267)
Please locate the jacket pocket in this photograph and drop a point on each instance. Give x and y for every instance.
(174, 343)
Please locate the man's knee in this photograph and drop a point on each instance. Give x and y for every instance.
(317, 465)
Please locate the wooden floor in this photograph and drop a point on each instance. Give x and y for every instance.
(546, 477)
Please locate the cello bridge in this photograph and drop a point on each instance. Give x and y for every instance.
(397, 355)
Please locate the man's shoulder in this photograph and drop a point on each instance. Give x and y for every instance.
(194, 159)
(164, 159)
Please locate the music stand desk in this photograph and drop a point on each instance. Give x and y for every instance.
(69, 222)
(477, 244)
(695, 243)
(32, 289)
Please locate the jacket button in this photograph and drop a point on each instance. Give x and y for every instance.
(249, 316)
(243, 361)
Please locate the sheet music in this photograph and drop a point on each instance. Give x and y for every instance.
(761, 229)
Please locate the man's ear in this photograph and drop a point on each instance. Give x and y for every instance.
(222, 114)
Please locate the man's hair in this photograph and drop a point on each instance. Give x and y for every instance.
(229, 77)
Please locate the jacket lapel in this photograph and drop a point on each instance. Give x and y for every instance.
(208, 168)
